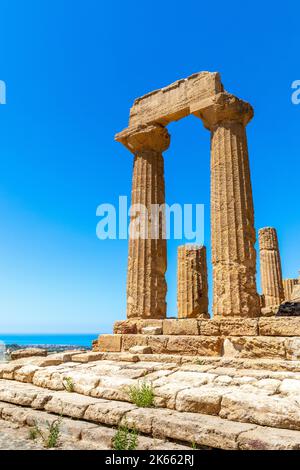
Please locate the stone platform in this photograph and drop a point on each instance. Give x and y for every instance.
(277, 338)
(213, 402)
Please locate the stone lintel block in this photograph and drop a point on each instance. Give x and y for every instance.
(109, 343)
(209, 327)
(279, 326)
(238, 326)
(184, 326)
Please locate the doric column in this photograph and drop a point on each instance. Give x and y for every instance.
(192, 290)
(232, 215)
(270, 267)
(288, 287)
(147, 257)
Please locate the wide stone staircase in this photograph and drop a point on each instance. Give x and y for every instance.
(203, 402)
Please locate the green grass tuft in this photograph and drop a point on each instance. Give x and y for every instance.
(142, 395)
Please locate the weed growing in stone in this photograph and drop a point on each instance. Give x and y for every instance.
(68, 384)
(50, 438)
(125, 438)
(142, 395)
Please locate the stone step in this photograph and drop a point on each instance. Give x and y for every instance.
(93, 421)
(74, 434)
(206, 421)
(248, 347)
(262, 397)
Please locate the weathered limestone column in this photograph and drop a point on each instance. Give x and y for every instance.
(192, 290)
(288, 287)
(147, 257)
(270, 267)
(232, 215)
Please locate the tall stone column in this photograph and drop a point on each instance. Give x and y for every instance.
(270, 267)
(147, 257)
(232, 215)
(192, 290)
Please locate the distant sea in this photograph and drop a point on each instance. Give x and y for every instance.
(48, 340)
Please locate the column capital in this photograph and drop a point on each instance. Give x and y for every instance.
(154, 137)
(223, 107)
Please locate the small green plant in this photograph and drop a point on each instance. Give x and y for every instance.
(68, 384)
(200, 362)
(194, 446)
(125, 438)
(142, 395)
(33, 433)
(50, 439)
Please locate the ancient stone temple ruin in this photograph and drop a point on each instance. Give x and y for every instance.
(229, 382)
(243, 322)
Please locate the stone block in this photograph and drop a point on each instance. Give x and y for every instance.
(238, 327)
(152, 330)
(279, 326)
(209, 327)
(28, 352)
(259, 346)
(110, 343)
(293, 349)
(125, 327)
(195, 345)
(140, 350)
(180, 327)
(129, 341)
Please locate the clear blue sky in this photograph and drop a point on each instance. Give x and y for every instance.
(72, 70)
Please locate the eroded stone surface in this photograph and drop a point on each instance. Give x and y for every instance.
(192, 287)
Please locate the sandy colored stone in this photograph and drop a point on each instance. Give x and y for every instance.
(195, 345)
(262, 438)
(87, 357)
(192, 286)
(152, 330)
(270, 267)
(26, 373)
(261, 409)
(296, 293)
(290, 386)
(198, 428)
(125, 327)
(238, 326)
(185, 326)
(28, 352)
(158, 344)
(230, 349)
(209, 327)
(205, 400)
(129, 341)
(140, 350)
(288, 287)
(279, 326)
(107, 412)
(260, 346)
(292, 349)
(232, 225)
(110, 343)
(147, 256)
(69, 404)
